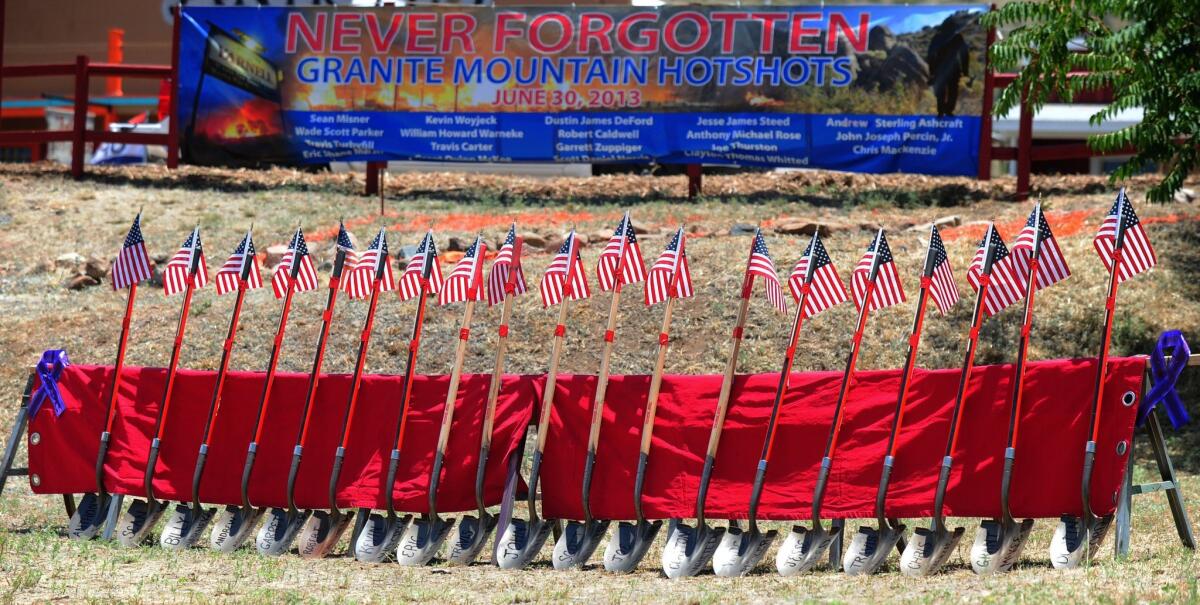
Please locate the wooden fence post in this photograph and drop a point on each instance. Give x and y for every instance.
(79, 128)
(173, 99)
(1024, 146)
(695, 176)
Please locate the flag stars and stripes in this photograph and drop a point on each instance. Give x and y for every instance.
(1137, 255)
(414, 277)
(132, 264)
(566, 266)
(507, 261)
(670, 275)
(941, 282)
(179, 269)
(374, 263)
(624, 254)
(760, 264)
(826, 288)
(1007, 284)
(887, 290)
(465, 281)
(295, 261)
(241, 267)
(1051, 264)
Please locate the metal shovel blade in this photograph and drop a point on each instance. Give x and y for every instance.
(521, 542)
(869, 549)
(740, 551)
(1020, 537)
(928, 550)
(629, 544)
(137, 521)
(88, 517)
(184, 527)
(276, 535)
(232, 526)
(421, 540)
(320, 532)
(379, 536)
(1067, 545)
(577, 543)
(688, 548)
(803, 548)
(470, 538)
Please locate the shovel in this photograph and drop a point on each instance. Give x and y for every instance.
(187, 523)
(1076, 537)
(281, 527)
(521, 540)
(689, 549)
(869, 548)
(931, 547)
(319, 531)
(473, 531)
(804, 547)
(629, 544)
(89, 514)
(141, 516)
(378, 535)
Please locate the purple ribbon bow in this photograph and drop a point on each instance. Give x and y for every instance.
(1165, 375)
(49, 369)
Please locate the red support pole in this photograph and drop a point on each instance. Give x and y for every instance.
(79, 127)
(173, 102)
(1024, 147)
(2, 11)
(989, 92)
(372, 178)
(695, 175)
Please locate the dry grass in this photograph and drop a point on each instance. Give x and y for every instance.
(43, 215)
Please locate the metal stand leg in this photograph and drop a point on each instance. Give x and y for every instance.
(1167, 470)
(1125, 510)
(14, 439)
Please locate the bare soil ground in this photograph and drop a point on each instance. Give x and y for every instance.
(44, 215)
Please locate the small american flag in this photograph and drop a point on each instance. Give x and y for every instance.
(179, 269)
(373, 261)
(622, 253)
(941, 282)
(1007, 285)
(566, 266)
(465, 281)
(887, 290)
(297, 260)
(414, 271)
(133, 263)
(1052, 266)
(761, 265)
(242, 262)
(508, 259)
(827, 289)
(662, 282)
(1137, 256)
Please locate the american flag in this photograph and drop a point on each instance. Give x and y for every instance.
(662, 282)
(132, 264)
(827, 289)
(941, 283)
(887, 290)
(1137, 256)
(296, 259)
(179, 268)
(508, 259)
(370, 263)
(761, 265)
(565, 265)
(624, 253)
(465, 281)
(242, 262)
(1052, 266)
(1007, 284)
(414, 271)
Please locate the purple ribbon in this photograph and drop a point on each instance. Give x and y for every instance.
(1165, 375)
(49, 369)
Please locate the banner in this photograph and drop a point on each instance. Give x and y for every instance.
(857, 88)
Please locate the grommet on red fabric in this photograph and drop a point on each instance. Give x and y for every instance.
(609, 335)
(503, 331)
(663, 339)
(1128, 398)
(1122, 446)
(35, 438)
(737, 332)
(560, 330)
(464, 333)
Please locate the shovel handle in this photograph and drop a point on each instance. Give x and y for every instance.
(1089, 460)
(714, 437)
(588, 463)
(940, 496)
(390, 482)
(605, 367)
(151, 462)
(702, 492)
(247, 470)
(552, 375)
(638, 483)
(1006, 481)
(334, 473)
(885, 477)
(293, 472)
(489, 413)
(819, 490)
(534, 473)
(100, 456)
(759, 477)
(481, 475)
(198, 474)
(435, 478)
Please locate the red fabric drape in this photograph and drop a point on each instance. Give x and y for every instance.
(1054, 427)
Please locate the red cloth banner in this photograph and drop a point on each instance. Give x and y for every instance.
(1054, 427)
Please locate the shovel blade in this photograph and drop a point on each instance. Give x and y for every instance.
(1067, 545)
(628, 545)
(521, 542)
(991, 540)
(137, 521)
(88, 517)
(802, 549)
(577, 543)
(1020, 537)
(689, 549)
(740, 551)
(276, 535)
(379, 536)
(869, 549)
(928, 550)
(421, 540)
(319, 533)
(184, 527)
(232, 526)
(470, 538)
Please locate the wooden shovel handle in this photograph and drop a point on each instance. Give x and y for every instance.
(489, 414)
(551, 377)
(714, 437)
(455, 375)
(656, 379)
(602, 378)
